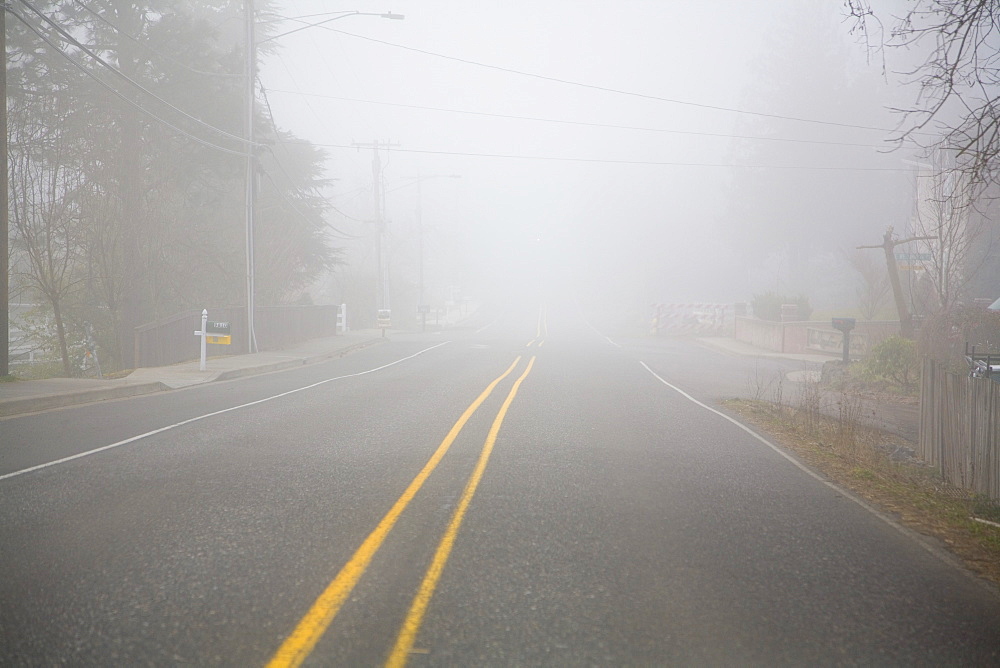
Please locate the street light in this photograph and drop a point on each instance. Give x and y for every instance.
(251, 76)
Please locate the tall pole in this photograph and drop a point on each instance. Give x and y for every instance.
(379, 229)
(4, 243)
(251, 75)
(382, 263)
(420, 256)
(888, 246)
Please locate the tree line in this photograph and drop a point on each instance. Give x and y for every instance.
(127, 170)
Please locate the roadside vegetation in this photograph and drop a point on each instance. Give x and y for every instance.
(836, 433)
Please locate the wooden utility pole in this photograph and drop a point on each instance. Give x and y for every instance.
(251, 173)
(4, 223)
(382, 302)
(888, 246)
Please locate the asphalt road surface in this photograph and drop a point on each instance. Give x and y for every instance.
(526, 492)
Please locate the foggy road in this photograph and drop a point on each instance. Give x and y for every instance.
(522, 492)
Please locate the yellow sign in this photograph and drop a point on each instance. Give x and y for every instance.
(223, 340)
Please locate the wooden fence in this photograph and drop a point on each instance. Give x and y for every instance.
(960, 428)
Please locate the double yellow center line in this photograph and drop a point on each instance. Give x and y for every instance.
(311, 627)
(542, 328)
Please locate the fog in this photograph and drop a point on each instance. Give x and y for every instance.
(685, 199)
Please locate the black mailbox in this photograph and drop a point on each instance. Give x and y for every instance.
(844, 324)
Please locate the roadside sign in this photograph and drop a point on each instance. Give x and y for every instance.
(424, 308)
(910, 258)
(384, 318)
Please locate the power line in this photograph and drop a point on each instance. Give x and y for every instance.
(571, 122)
(291, 205)
(661, 163)
(606, 89)
(149, 48)
(277, 134)
(72, 40)
(118, 94)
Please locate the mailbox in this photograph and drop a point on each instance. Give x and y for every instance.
(218, 332)
(844, 324)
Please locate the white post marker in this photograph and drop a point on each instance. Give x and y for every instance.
(204, 338)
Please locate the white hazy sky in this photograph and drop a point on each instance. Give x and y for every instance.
(654, 231)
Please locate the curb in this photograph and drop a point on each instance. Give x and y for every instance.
(44, 402)
(322, 357)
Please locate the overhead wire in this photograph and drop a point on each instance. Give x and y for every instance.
(613, 126)
(606, 89)
(291, 205)
(662, 163)
(72, 40)
(270, 115)
(117, 93)
(149, 48)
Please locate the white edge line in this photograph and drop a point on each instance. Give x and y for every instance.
(935, 550)
(208, 415)
(607, 338)
(485, 327)
(980, 519)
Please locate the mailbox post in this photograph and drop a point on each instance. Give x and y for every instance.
(845, 325)
(204, 338)
(212, 332)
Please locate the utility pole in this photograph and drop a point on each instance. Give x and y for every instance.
(382, 303)
(251, 76)
(888, 245)
(420, 257)
(4, 233)
(421, 304)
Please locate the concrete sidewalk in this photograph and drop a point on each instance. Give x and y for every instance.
(730, 345)
(29, 396)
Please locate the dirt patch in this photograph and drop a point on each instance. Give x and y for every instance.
(878, 466)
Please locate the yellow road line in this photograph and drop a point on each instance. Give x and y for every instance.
(311, 627)
(530, 343)
(414, 618)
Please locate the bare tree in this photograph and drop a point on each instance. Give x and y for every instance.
(873, 293)
(957, 104)
(949, 235)
(44, 210)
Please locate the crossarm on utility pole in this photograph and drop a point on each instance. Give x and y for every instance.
(888, 245)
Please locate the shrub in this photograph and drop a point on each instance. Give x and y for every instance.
(893, 361)
(768, 306)
(943, 336)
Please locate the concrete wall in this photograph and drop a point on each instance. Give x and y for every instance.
(810, 336)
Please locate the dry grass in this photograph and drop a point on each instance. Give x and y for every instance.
(867, 461)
